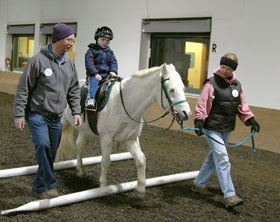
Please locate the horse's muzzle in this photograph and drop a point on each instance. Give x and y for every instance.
(184, 116)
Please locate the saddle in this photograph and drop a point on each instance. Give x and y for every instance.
(101, 98)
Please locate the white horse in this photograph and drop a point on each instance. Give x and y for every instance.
(116, 122)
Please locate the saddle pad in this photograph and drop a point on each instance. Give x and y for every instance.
(101, 103)
(104, 100)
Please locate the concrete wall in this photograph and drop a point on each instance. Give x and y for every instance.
(3, 22)
(9, 81)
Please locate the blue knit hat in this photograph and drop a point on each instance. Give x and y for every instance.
(61, 31)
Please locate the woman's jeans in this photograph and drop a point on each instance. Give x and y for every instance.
(217, 160)
(46, 134)
(93, 84)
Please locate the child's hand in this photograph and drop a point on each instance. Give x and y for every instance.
(97, 76)
(113, 74)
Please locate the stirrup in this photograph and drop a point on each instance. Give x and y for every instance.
(90, 109)
(90, 104)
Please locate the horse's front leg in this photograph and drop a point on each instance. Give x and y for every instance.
(106, 149)
(134, 148)
(79, 146)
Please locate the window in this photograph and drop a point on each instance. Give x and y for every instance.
(23, 50)
(22, 45)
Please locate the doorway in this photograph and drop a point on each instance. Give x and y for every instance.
(188, 52)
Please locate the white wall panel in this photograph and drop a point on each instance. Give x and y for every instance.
(247, 27)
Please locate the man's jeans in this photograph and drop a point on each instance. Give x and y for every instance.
(217, 160)
(46, 134)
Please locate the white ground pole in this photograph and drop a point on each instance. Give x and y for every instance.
(61, 165)
(98, 192)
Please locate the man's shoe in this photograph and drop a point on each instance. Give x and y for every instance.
(90, 104)
(52, 193)
(201, 190)
(233, 201)
(41, 195)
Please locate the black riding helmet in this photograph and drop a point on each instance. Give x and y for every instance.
(103, 31)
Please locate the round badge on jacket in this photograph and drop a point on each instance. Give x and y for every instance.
(234, 93)
(48, 72)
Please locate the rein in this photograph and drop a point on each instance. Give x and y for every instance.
(161, 131)
(226, 145)
(121, 95)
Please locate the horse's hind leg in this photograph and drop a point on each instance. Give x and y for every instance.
(106, 149)
(79, 150)
(134, 148)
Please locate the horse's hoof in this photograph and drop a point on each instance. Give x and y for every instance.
(81, 173)
(140, 194)
(103, 185)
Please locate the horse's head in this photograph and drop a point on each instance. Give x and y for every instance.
(173, 90)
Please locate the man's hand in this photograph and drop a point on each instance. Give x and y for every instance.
(77, 121)
(20, 123)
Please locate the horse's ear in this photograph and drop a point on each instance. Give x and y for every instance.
(164, 69)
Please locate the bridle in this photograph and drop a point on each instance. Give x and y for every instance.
(171, 104)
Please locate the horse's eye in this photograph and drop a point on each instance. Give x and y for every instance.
(172, 90)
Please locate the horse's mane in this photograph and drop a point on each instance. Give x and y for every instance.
(145, 72)
(174, 81)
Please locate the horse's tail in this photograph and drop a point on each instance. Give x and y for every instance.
(67, 145)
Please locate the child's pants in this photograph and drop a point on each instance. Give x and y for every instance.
(93, 84)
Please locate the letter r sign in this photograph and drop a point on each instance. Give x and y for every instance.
(214, 46)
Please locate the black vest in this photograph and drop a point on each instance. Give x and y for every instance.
(222, 116)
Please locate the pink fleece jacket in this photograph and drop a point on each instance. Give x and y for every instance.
(204, 103)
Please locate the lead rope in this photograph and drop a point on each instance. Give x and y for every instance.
(226, 145)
